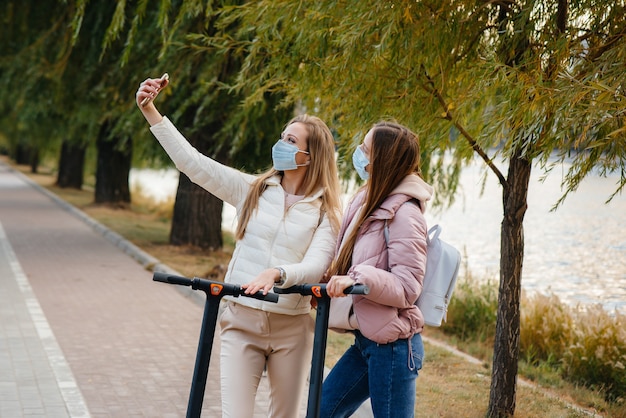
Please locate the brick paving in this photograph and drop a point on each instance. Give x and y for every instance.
(84, 331)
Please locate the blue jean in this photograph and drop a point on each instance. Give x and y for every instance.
(385, 373)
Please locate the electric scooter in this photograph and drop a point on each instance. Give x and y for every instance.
(318, 291)
(214, 293)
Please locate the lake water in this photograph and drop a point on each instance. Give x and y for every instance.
(577, 252)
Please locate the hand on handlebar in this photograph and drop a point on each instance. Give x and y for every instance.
(318, 290)
(337, 285)
(264, 282)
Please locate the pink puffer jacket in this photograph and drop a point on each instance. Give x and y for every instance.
(394, 276)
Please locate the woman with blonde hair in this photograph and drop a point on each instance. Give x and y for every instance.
(387, 353)
(288, 218)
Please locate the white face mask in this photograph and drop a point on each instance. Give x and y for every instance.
(284, 156)
(360, 161)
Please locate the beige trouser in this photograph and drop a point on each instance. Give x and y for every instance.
(251, 340)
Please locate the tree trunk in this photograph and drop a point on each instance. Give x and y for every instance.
(34, 160)
(71, 166)
(506, 345)
(197, 217)
(26, 155)
(113, 168)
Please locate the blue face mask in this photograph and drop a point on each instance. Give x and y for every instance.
(284, 156)
(360, 161)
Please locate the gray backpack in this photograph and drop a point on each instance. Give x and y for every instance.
(442, 268)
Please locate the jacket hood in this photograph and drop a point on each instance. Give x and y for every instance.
(411, 187)
(416, 188)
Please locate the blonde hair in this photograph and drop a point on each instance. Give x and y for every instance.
(320, 174)
(394, 155)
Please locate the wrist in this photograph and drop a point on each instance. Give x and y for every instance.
(282, 276)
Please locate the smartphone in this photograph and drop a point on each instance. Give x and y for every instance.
(164, 78)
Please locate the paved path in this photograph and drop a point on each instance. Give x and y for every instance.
(84, 331)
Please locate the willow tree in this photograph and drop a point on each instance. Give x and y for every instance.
(197, 101)
(100, 93)
(517, 83)
(30, 59)
(62, 94)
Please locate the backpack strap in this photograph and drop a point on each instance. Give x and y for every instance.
(386, 227)
(386, 233)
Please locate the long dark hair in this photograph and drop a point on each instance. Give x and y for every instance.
(394, 155)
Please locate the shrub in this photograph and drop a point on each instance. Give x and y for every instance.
(587, 346)
(472, 310)
(597, 355)
(546, 329)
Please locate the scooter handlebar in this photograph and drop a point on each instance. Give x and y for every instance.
(319, 289)
(171, 279)
(357, 289)
(211, 287)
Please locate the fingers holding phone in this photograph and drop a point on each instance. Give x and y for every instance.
(150, 88)
(148, 91)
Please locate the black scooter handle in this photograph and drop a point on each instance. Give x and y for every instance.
(211, 287)
(319, 289)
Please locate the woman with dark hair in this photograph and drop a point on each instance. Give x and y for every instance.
(387, 353)
(288, 218)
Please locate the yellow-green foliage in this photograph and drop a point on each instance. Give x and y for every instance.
(586, 345)
(472, 310)
(546, 329)
(597, 354)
